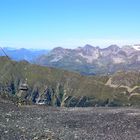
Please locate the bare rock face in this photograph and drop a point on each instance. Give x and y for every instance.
(93, 60)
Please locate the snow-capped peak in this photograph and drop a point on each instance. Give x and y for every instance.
(136, 47)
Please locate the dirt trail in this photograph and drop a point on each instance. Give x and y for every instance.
(109, 83)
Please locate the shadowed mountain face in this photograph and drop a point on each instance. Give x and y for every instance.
(91, 60)
(23, 54)
(57, 87)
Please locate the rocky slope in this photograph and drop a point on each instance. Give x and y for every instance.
(48, 123)
(56, 87)
(91, 60)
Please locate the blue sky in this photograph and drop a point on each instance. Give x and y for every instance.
(68, 23)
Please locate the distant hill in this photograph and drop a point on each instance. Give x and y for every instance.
(90, 60)
(23, 54)
(57, 87)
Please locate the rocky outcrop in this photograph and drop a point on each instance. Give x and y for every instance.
(90, 60)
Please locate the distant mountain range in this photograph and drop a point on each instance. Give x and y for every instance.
(23, 54)
(92, 60)
(87, 60)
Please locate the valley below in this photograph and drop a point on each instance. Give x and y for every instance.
(34, 122)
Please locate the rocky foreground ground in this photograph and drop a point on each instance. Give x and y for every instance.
(47, 123)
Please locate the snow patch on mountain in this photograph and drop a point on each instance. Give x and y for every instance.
(137, 47)
(118, 60)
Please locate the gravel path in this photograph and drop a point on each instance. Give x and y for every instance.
(48, 123)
